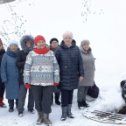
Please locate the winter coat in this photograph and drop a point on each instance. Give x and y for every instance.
(21, 57)
(1, 56)
(89, 68)
(71, 65)
(41, 69)
(56, 89)
(9, 74)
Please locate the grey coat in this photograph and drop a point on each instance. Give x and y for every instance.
(89, 68)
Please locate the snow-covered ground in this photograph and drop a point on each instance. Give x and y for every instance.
(109, 100)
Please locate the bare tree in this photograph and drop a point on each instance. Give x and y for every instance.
(13, 26)
(87, 10)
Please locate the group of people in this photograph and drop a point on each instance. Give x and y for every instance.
(43, 70)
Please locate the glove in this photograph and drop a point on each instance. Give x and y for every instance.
(56, 84)
(27, 86)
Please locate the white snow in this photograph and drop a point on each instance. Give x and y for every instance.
(107, 101)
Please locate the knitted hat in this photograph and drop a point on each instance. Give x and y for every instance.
(68, 33)
(13, 42)
(1, 43)
(39, 38)
(54, 39)
(85, 42)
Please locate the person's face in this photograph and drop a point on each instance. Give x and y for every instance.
(86, 46)
(54, 44)
(29, 44)
(13, 48)
(41, 44)
(67, 40)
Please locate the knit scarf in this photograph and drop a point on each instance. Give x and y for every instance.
(41, 51)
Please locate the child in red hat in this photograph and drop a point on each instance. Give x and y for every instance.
(41, 73)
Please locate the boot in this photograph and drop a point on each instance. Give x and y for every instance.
(16, 104)
(80, 104)
(85, 104)
(2, 103)
(11, 105)
(64, 113)
(40, 118)
(69, 114)
(57, 95)
(11, 109)
(46, 119)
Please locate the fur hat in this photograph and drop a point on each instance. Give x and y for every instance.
(39, 38)
(68, 33)
(26, 38)
(54, 39)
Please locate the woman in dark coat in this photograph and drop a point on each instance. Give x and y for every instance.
(2, 86)
(71, 69)
(9, 74)
(89, 71)
(54, 43)
(27, 43)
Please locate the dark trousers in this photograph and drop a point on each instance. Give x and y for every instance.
(56, 93)
(22, 96)
(66, 97)
(43, 98)
(11, 103)
(2, 88)
(82, 92)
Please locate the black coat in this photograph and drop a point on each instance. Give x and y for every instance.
(21, 58)
(1, 56)
(71, 65)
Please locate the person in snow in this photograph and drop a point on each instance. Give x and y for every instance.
(27, 44)
(10, 75)
(2, 86)
(71, 70)
(54, 43)
(41, 73)
(89, 69)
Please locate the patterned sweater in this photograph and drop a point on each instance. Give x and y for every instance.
(41, 69)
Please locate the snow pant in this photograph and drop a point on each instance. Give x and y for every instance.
(66, 97)
(82, 92)
(43, 98)
(11, 103)
(22, 96)
(2, 88)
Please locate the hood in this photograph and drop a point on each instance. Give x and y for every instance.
(23, 41)
(64, 46)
